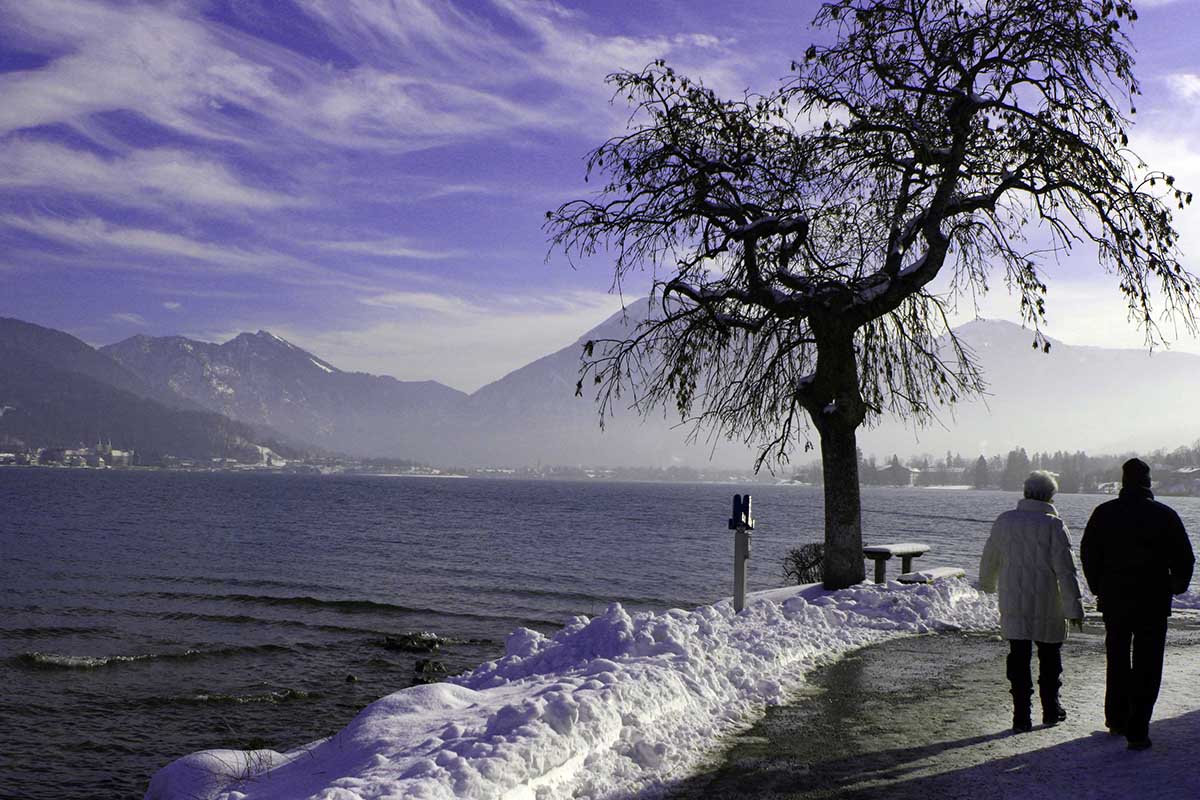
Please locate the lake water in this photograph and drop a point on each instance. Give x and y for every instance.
(146, 615)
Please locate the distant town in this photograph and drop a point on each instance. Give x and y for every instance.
(104, 455)
(1176, 472)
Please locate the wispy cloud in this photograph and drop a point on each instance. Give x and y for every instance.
(1185, 85)
(130, 317)
(147, 176)
(390, 248)
(172, 305)
(150, 59)
(423, 301)
(427, 73)
(92, 233)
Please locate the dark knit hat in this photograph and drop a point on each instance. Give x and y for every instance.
(1135, 472)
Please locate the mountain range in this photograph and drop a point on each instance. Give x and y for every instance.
(56, 391)
(263, 380)
(260, 388)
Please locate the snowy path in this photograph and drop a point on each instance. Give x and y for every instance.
(928, 717)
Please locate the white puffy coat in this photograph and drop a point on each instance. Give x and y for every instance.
(1028, 555)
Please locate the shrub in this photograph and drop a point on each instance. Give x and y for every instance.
(803, 564)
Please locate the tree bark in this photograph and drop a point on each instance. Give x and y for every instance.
(843, 506)
(834, 403)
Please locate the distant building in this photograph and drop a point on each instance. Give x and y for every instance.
(1181, 481)
(112, 456)
(52, 455)
(897, 475)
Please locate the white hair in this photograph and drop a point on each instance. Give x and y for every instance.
(1040, 485)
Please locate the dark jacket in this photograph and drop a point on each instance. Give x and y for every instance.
(1135, 555)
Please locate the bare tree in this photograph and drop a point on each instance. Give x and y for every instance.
(794, 237)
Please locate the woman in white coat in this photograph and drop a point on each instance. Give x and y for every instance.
(1028, 557)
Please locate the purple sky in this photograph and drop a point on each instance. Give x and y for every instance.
(368, 179)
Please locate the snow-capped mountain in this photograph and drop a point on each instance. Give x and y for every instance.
(57, 391)
(260, 378)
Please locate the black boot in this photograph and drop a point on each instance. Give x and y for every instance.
(1052, 710)
(1022, 716)
(1049, 681)
(1021, 686)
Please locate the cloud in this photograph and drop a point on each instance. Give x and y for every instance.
(1081, 312)
(1174, 149)
(1184, 84)
(460, 342)
(147, 176)
(428, 73)
(390, 248)
(122, 77)
(107, 245)
(571, 55)
(91, 233)
(424, 301)
(172, 305)
(129, 317)
(206, 294)
(148, 59)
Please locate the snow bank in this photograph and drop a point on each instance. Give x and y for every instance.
(607, 707)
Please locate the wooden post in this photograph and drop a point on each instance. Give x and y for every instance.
(741, 523)
(881, 570)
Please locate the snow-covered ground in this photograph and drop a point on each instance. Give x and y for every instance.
(608, 707)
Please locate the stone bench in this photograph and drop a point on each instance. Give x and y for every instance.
(932, 574)
(880, 553)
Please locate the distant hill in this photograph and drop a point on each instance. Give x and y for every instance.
(69, 354)
(533, 415)
(1072, 398)
(56, 391)
(261, 379)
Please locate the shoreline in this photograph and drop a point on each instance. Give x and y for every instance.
(618, 704)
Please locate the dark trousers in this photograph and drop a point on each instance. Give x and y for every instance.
(1134, 648)
(1020, 653)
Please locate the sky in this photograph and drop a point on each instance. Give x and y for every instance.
(368, 179)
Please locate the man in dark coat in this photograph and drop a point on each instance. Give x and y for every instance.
(1135, 555)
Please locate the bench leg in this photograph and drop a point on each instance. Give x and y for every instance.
(906, 563)
(880, 570)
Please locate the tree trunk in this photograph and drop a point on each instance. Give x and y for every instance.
(843, 505)
(834, 403)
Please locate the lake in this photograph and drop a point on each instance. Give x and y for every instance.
(146, 615)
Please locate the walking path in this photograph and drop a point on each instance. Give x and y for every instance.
(927, 718)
